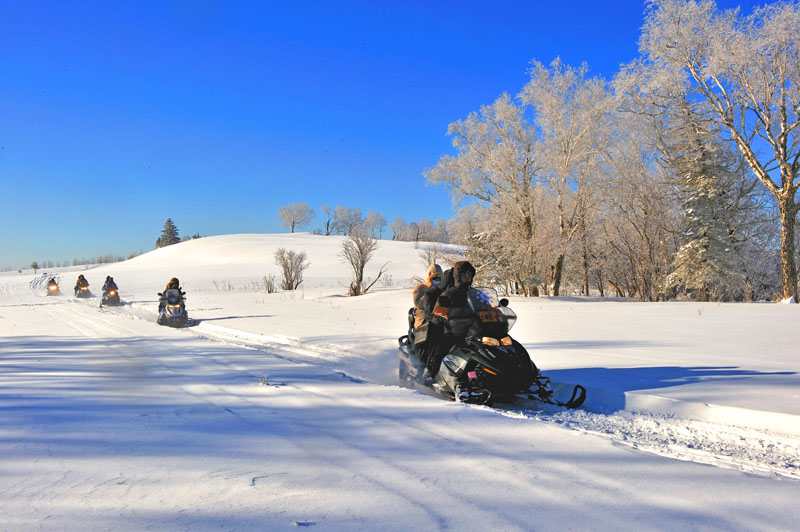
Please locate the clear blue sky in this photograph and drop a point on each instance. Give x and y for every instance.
(117, 115)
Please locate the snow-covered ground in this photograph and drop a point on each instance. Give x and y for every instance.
(281, 410)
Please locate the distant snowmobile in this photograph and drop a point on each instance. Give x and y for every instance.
(52, 287)
(485, 365)
(173, 312)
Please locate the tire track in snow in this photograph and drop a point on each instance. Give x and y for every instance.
(747, 450)
(401, 481)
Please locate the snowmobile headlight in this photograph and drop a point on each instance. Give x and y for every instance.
(454, 363)
(52, 288)
(507, 341)
(112, 293)
(176, 307)
(488, 340)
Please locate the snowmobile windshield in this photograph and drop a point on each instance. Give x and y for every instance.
(486, 305)
(173, 296)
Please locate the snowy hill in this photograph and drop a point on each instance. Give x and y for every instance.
(248, 257)
(282, 410)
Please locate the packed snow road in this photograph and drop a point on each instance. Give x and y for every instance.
(108, 421)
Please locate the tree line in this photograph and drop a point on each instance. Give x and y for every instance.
(349, 221)
(677, 178)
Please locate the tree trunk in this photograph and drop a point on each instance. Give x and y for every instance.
(585, 271)
(617, 289)
(557, 270)
(585, 259)
(788, 264)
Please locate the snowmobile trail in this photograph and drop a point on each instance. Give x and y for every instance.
(747, 450)
(110, 418)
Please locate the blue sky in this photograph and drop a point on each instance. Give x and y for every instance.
(117, 115)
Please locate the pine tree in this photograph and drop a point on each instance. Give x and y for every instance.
(706, 260)
(169, 235)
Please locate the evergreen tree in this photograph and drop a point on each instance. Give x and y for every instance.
(169, 235)
(706, 261)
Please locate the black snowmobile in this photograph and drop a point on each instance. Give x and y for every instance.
(82, 291)
(173, 312)
(485, 365)
(110, 297)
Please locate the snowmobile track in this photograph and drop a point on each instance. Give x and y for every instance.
(760, 452)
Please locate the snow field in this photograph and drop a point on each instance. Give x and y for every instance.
(109, 421)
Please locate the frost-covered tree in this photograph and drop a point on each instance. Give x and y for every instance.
(347, 220)
(357, 250)
(573, 117)
(497, 165)
(375, 223)
(708, 183)
(292, 265)
(744, 71)
(513, 155)
(422, 230)
(295, 215)
(330, 221)
(169, 235)
(638, 217)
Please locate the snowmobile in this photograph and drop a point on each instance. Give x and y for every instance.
(52, 287)
(485, 365)
(82, 291)
(173, 312)
(110, 297)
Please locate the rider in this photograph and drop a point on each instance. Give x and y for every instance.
(109, 284)
(425, 295)
(173, 283)
(80, 283)
(452, 301)
(427, 330)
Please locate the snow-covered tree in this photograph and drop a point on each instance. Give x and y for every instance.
(497, 166)
(375, 223)
(572, 115)
(169, 235)
(295, 215)
(745, 73)
(638, 217)
(347, 219)
(706, 177)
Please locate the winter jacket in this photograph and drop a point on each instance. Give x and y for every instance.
(173, 285)
(425, 295)
(455, 297)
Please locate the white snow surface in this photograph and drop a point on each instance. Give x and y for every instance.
(282, 410)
